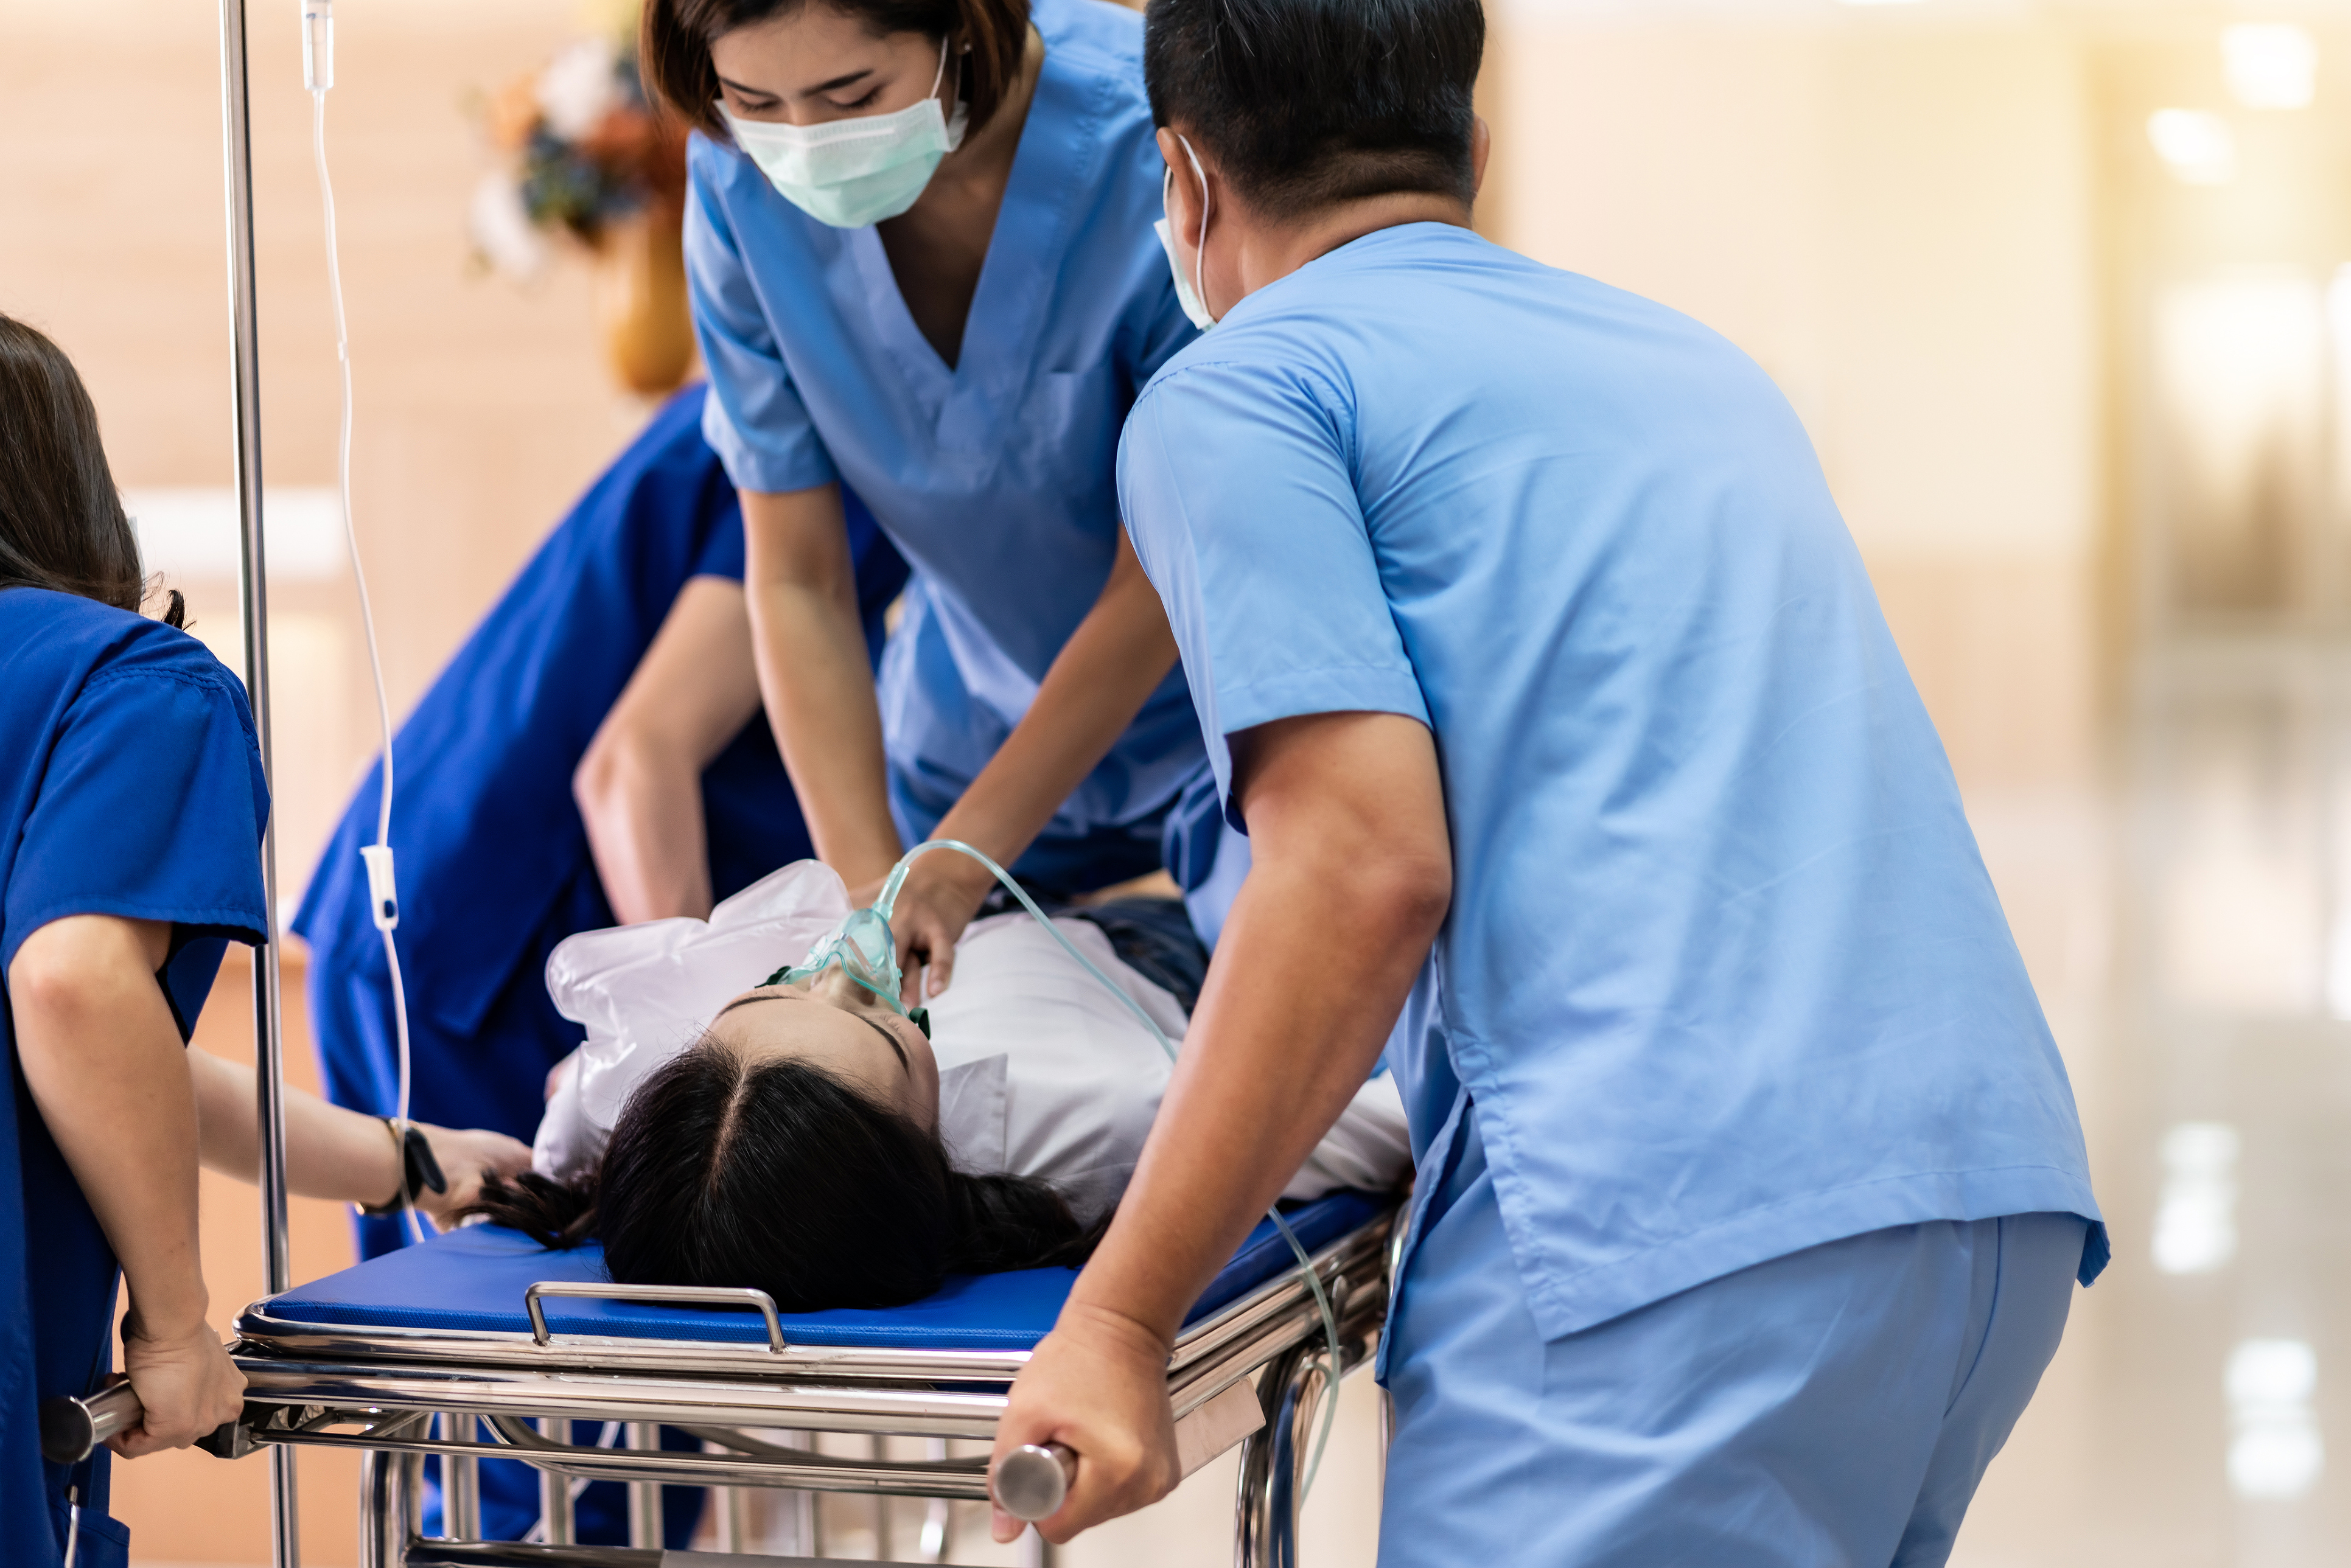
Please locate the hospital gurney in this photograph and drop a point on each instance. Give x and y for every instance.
(478, 1343)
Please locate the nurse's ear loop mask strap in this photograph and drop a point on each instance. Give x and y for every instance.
(383, 892)
(1200, 293)
(1313, 1280)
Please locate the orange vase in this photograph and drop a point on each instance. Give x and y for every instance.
(641, 309)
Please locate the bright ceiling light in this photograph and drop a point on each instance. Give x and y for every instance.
(2274, 1446)
(2195, 144)
(2270, 64)
(2196, 1222)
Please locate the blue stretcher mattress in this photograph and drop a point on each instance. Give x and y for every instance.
(473, 1278)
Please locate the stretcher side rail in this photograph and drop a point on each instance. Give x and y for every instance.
(699, 1295)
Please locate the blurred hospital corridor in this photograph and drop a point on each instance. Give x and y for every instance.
(2060, 290)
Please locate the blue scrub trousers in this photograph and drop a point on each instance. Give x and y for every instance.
(1835, 1406)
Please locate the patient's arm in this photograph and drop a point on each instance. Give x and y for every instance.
(336, 1154)
(639, 786)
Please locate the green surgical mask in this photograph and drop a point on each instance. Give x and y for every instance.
(852, 173)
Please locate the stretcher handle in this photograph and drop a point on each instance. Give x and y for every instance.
(688, 1295)
(1030, 1483)
(71, 1428)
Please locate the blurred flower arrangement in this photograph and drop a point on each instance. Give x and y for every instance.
(589, 161)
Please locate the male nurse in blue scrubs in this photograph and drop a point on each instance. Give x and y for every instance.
(1536, 662)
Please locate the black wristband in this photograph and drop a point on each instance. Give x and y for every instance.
(420, 1171)
(424, 1171)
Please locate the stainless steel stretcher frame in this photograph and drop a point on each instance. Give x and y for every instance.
(1253, 1372)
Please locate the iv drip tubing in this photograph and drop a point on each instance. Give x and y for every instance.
(343, 454)
(367, 616)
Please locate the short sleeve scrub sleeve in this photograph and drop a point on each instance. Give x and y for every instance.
(1231, 541)
(130, 785)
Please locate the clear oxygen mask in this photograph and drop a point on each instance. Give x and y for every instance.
(863, 944)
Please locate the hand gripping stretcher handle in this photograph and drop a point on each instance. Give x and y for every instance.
(71, 1428)
(1030, 1482)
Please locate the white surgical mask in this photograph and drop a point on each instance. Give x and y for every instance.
(1190, 292)
(852, 173)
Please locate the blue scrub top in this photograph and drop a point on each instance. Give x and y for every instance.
(993, 478)
(1724, 973)
(130, 785)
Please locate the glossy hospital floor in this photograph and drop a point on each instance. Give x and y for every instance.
(2188, 922)
(2189, 929)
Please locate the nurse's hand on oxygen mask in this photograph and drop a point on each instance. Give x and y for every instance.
(942, 892)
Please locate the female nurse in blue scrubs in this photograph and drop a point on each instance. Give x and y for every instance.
(132, 806)
(919, 240)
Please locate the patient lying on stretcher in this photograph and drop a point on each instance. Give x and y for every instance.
(809, 1141)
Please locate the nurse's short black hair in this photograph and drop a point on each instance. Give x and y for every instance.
(673, 42)
(1308, 102)
(61, 521)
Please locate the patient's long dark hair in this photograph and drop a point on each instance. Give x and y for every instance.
(61, 521)
(774, 1173)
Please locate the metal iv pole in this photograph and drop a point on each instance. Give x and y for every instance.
(253, 600)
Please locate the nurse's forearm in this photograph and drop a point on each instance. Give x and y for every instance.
(105, 1064)
(639, 786)
(343, 1155)
(331, 1153)
(809, 644)
(1105, 672)
(1350, 877)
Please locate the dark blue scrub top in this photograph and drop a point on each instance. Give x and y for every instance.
(130, 785)
(493, 857)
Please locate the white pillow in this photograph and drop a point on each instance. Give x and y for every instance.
(645, 993)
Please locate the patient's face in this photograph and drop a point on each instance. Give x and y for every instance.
(836, 1024)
